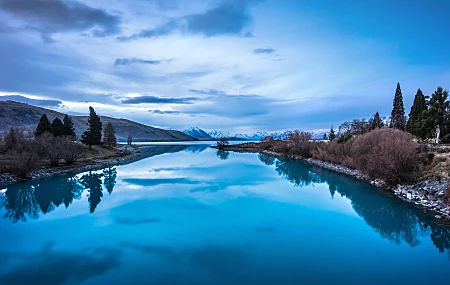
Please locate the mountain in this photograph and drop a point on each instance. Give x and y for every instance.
(197, 133)
(15, 114)
(316, 134)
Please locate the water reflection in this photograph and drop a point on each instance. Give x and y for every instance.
(222, 154)
(391, 218)
(28, 200)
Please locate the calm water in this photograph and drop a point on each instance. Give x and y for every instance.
(189, 215)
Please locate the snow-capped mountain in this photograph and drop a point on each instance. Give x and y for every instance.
(197, 133)
(317, 134)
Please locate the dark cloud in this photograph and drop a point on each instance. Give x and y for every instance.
(158, 181)
(57, 268)
(264, 50)
(159, 112)
(159, 100)
(129, 61)
(208, 92)
(37, 102)
(55, 16)
(229, 18)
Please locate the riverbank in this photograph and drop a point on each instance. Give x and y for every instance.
(428, 195)
(122, 155)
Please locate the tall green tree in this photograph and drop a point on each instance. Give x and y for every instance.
(93, 184)
(109, 135)
(332, 135)
(437, 113)
(377, 122)
(93, 135)
(69, 129)
(57, 127)
(416, 116)
(43, 126)
(398, 119)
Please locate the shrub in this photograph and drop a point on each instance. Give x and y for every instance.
(300, 143)
(223, 142)
(267, 143)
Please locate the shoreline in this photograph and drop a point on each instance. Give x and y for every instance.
(427, 195)
(95, 164)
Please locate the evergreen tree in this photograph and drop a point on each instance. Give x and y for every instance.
(325, 137)
(57, 127)
(377, 122)
(398, 119)
(93, 135)
(437, 114)
(43, 126)
(69, 129)
(332, 135)
(109, 135)
(416, 116)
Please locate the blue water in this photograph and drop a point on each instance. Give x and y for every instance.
(190, 215)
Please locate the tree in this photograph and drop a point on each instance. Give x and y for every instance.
(325, 137)
(109, 135)
(93, 135)
(43, 126)
(130, 139)
(93, 184)
(332, 135)
(222, 143)
(376, 122)
(437, 114)
(110, 175)
(68, 129)
(416, 115)
(57, 127)
(398, 119)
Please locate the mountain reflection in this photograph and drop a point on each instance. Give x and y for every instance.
(30, 199)
(391, 218)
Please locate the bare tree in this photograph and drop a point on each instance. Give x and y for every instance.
(130, 139)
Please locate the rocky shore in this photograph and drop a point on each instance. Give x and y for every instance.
(95, 164)
(428, 195)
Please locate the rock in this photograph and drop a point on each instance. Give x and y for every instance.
(408, 196)
(431, 197)
(438, 217)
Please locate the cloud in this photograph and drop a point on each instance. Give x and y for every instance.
(58, 268)
(264, 51)
(129, 61)
(158, 100)
(37, 102)
(159, 112)
(55, 16)
(229, 18)
(207, 92)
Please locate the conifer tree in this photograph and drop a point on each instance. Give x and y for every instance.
(437, 113)
(398, 119)
(325, 137)
(416, 116)
(69, 129)
(43, 126)
(332, 135)
(376, 122)
(57, 127)
(93, 135)
(109, 135)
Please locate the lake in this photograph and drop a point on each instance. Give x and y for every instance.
(192, 215)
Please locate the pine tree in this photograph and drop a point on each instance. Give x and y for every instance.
(57, 127)
(416, 116)
(325, 137)
(69, 129)
(109, 135)
(43, 126)
(93, 135)
(438, 107)
(376, 122)
(398, 119)
(332, 135)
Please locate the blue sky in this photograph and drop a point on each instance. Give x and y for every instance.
(240, 66)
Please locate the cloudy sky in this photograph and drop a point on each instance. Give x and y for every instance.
(234, 65)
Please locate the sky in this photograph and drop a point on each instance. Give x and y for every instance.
(232, 65)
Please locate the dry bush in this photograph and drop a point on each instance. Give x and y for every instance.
(267, 143)
(222, 143)
(71, 151)
(300, 143)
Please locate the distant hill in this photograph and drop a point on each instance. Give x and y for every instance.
(316, 134)
(197, 133)
(15, 114)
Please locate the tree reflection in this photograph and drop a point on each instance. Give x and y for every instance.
(92, 182)
(31, 198)
(222, 154)
(110, 175)
(266, 159)
(391, 218)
